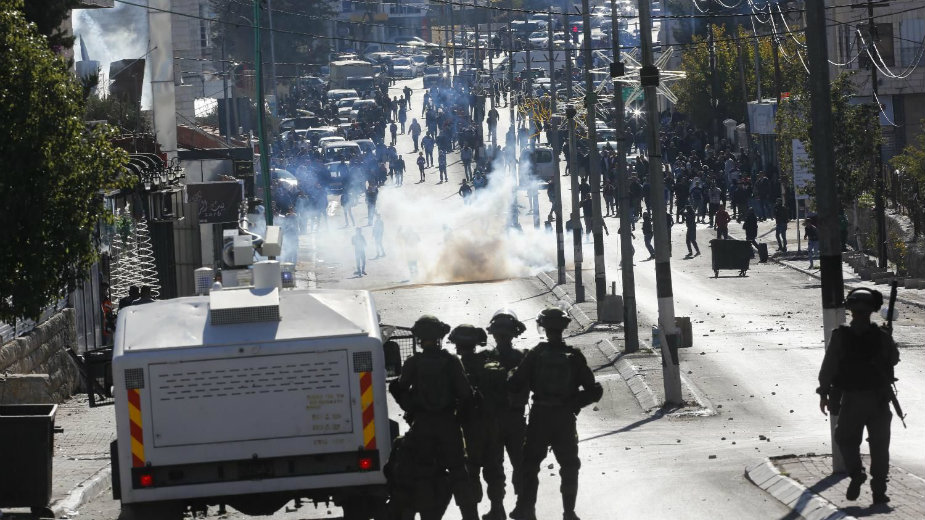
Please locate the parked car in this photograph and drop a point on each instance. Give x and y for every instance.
(367, 146)
(403, 68)
(340, 93)
(420, 61)
(335, 151)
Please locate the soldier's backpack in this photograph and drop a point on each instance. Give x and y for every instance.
(492, 384)
(433, 391)
(554, 372)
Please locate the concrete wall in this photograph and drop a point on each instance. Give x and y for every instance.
(36, 368)
(910, 254)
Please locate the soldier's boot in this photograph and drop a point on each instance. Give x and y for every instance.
(496, 512)
(878, 489)
(854, 487)
(569, 498)
(521, 512)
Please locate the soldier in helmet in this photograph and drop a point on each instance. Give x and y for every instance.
(431, 389)
(504, 327)
(480, 428)
(858, 365)
(562, 383)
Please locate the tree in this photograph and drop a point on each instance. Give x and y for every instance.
(53, 172)
(694, 91)
(47, 16)
(856, 135)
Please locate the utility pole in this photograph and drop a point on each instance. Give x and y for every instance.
(261, 120)
(617, 69)
(879, 196)
(568, 53)
(758, 67)
(600, 276)
(741, 60)
(225, 95)
(821, 129)
(453, 40)
(576, 227)
(775, 48)
(510, 76)
(556, 149)
(648, 79)
(273, 58)
(714, 84)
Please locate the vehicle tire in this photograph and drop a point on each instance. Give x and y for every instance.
(153, 511)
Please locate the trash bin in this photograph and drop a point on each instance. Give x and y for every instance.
(26, 451)
(99, 375)
(731, 254)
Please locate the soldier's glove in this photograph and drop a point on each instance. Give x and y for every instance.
(589, 395)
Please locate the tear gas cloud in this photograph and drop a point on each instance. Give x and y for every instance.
(118, 33)
(431, 239)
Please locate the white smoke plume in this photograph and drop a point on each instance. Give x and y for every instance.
(434, 240)
(114, 34)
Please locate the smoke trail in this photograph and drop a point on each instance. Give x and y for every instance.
(114, 34)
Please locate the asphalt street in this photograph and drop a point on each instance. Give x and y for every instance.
(757, 347)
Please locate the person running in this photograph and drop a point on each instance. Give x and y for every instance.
(690, 218)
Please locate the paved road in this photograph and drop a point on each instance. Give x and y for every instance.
(757, 348)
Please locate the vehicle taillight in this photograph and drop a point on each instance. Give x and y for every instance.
(365, 463)
(146, 480)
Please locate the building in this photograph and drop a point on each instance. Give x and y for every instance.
(897, 49)
(373, 23)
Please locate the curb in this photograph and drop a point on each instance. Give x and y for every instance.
(630, 375)
(83, 493)
(792, 494)
(560, 293)
(816, 275)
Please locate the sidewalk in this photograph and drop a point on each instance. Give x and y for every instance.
(642, 370)
(798, 260)
(80, 468)
(805, 483)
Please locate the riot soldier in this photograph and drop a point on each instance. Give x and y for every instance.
(432, 387)
(553, 371)
(480, 427)
(504, 327)
(859, 365)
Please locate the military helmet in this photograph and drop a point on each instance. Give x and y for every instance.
(429, 328)
(505, 320)
(553, 318)
(863, 298)
(467, 334)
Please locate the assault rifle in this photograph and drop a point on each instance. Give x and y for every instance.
(889, 328)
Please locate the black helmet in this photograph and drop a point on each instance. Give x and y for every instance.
(504, 320)
(467, 334)
(553, 318)
(429, 328)
(863, 298)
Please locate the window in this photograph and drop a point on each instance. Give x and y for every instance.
(883, 44)
(911, 39)
(205, 34)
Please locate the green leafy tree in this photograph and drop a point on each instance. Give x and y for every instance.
(856, 135)
(732, 45)
(47, 16)
(53, 171)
